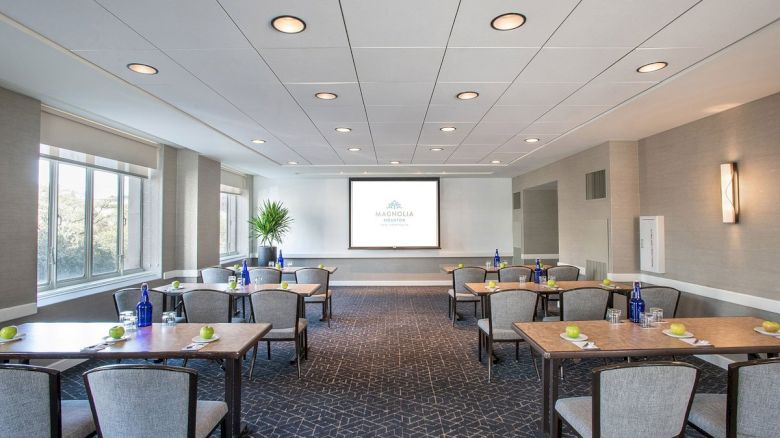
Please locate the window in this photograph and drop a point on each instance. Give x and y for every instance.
(228, 213)
(89, 224)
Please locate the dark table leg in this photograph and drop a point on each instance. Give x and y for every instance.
(550, 380)
(233, 396)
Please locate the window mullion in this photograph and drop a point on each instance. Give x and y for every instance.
(89, 217)
(53, 220)
(120, 226)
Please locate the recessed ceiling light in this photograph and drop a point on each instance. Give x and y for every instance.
(343, 129)
(653, 66)
(531, 140)
(292, 162)
(288, 24)
(437, 149)
(395, 162)
(447, 129)
(258, 141)
(509, 21)
(495, 162)
(354, 149)
(326, 96)
(466, 95)
(142, 68)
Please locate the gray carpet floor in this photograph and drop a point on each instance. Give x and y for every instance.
(392, 365)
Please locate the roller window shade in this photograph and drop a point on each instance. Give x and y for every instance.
(231, 182)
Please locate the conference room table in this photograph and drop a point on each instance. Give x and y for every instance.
(726, 335)
(493, 269)
(71, 340)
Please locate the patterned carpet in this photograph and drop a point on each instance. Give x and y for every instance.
(392, 365)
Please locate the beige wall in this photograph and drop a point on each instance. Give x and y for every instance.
(679, 178)
(624, 206)
(540, 222)
(209, 173)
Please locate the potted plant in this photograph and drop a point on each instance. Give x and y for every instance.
(269, 226)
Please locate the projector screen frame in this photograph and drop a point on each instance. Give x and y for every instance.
(438, 213)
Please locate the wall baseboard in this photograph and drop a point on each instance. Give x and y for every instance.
(391, 283)
(186, 273)
(19, 311)
(538, 256)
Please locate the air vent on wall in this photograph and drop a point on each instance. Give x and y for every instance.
(596, 185)
(516, 197)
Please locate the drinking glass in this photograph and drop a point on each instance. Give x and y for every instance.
(240, 282)
(646, 320)
(288, 263)
(169, 319)
(551, 277)
(613, 316)
(658, 314)
(523, 279)
(128, 320)
(543, 279)
(231, 279)
(488, 264)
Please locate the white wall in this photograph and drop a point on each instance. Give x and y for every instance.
(476, 218)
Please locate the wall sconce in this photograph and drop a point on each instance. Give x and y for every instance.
(729, 192)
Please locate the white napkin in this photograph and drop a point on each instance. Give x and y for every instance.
(696, 342)
(586, 345)
(194, 347)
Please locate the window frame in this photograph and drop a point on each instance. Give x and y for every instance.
(231, 235)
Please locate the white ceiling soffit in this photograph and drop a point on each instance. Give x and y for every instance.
(567, 76)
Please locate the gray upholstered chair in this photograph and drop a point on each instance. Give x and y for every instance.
(582, 304)
(30, 405)
(666, 298)
(564, 273)
(208, 306)
(265, 276)
(660, 392)
(459, 293)
(505, 307)
(216, 275)
(751, 407)
(127, 299)
(134, 401)
(323, 295)
(513, 273)
(280, 309)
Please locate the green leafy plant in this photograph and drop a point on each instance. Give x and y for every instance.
(271, 223)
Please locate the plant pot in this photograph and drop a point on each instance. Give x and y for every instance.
(265, 254)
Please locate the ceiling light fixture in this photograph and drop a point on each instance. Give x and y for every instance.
(143, 69)
(447, 129)
(653, 66)
(288, 24)
(467, 95)
(344, 130)
(292, 162)
(509, 21)
(531, 140)
(437, 149)
(354, 149)
(326, 96)
(495, 162)
(258, 141)
(395, 162)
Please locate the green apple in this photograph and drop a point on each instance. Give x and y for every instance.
(116, 331)
(460, 265)
(278, 265)
(572, 331)
(8, 332)
(285, 285)
(502, 265)
(492, 283)
(232, 284)
(551, 283)
(176, 284)
(770, 326)
(206, 332)
(606, 282)
(236, 267)
(677, 328)
(321, 266)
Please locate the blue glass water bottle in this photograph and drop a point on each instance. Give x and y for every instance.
(496, 259)
(245, 273)
(636, 305)
(144, 308)
(280, 260)
(538, 270)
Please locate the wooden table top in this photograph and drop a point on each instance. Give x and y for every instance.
(727, 334)
(301, 289)
(288, 269)
(58, 340)
(449, 268)
(481, 288)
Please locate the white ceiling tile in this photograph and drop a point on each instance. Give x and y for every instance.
(616, 23)
(570, 64)
(515, 113)
(472, 153)
(432, 134)
(493, 133)
(224, 66)
(395, 133)
(484, 64)
(360, 134)
(75, 24)
(606, 93)
(546, 128)
(399, 23)
(487, 138)
(504, 158)
(573, 114)
(517, 145)
(324, 24)
(678, 59)
(342, 114)
(348, 94)
(455, 113)
(180, 24)
(398, 64)
(320, 156)
(537, 93)
(397, 93)
(396, 113)
(311, 65)
(445, 93)
(472, 25)
(424, 154)
(402, 153)
(365, 155)
(115, 62)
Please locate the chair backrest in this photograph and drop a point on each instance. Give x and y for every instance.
(513, 273)
(564, 273)
(265, 276)
(127, 299)
(207, 306)
(278, 307)
(216, 275)
(753, 403)
(663, 297)
(134, 401)
(584, 304)
(511, 306)
(469, 274)
(313, 276)
(29, 401)
(642, 399)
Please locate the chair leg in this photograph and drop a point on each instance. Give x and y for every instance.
(330, 308)
(185, 362)
(254, 357)
(268, 349)
(479, 344)
(533, 360)
(454, 310)
(306, 343)
(517, 350)
(223, 432)
(558, 429)
(449, 306)
(489, 358)
(475, 309)
(298, 354)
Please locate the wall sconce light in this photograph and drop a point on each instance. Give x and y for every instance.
(729, 192)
